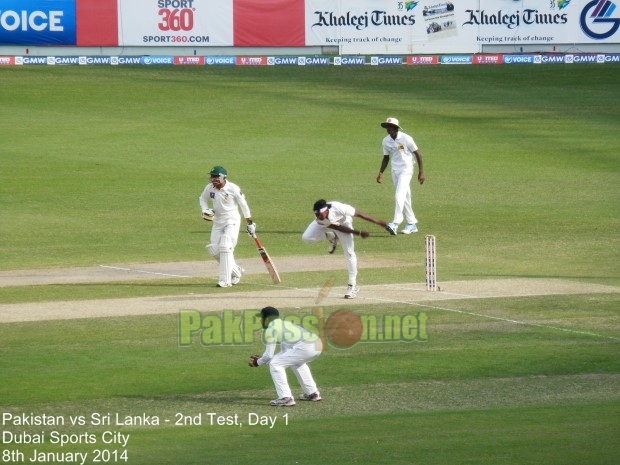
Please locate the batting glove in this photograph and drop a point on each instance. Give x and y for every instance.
(251, 229)
(254, 360)
(208, 214)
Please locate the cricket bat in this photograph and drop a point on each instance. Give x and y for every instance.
(271, 268)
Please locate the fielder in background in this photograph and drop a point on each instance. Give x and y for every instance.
(402, 148)
(226, 199)
(334, 223)
(298, 347)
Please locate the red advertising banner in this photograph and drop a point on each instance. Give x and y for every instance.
(269, 23)
(97, 23)
(251, 61)
(488, 59)
(197, 60)
(422, 60)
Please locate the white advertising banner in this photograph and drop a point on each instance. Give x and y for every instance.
(173, 23)
(459, 26)
(542, 22)
(365, 26)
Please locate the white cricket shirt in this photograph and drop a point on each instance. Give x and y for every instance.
(400, 151)
(226, 202)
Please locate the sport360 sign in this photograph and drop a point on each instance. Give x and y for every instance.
(176, 15)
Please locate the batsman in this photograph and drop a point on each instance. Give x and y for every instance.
(226, 198)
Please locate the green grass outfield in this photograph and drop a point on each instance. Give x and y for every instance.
(105, 165)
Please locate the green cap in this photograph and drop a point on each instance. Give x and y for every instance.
(218, 171)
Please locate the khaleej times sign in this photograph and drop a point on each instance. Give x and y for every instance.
(369, 26)
(552, 21)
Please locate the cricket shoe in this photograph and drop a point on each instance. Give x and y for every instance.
(410, 229)
(223, 284)
(284, 402)
(315, 397)
(351, 292)
(333, 241)
(236, 275)
(392, 228)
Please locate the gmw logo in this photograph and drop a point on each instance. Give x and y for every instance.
(596, 21)
(386, 61)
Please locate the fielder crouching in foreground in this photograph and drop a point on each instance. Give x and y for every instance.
(226, 199)
(298, 347)
(334, 222)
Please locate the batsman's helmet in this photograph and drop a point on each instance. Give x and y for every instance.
(218, 172)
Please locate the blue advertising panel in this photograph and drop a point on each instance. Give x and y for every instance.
(37, 22)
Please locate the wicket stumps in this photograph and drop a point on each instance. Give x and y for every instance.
(431, 264)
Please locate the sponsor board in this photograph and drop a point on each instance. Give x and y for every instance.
(33, 22)
(282, 61)
(456, 60)
(551, 59)
(521, 59)
(27, 60)
(486, 59)
(582, 58)
(125, 60)
(422, 60)
(251, 61)
(386, 61)
(220, 60)
(483, 59)
(157, 60)
(197, 60)
(92, 60)
(599, 20)
(314, 61)
(190, 23)
(349, 61)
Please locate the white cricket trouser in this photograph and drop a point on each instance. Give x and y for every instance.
(296, 357)
(315, 233)
(402, 197)
(225, 237)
